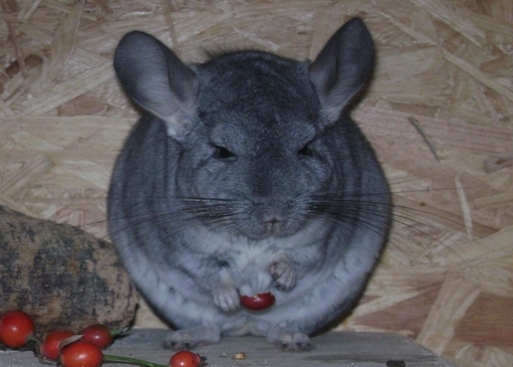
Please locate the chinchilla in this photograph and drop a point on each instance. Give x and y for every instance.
(246, 175)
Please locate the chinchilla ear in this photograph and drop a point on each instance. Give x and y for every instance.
(343, 67)
(155, 78)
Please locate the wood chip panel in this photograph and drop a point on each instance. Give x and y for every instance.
(439, 112)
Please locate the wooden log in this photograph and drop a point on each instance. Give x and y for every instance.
(62, 276)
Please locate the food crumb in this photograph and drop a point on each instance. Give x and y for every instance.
(239, 356)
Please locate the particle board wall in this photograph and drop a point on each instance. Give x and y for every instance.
(439, 113)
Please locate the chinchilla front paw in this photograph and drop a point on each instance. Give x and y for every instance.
(283, 275)
(226, 297)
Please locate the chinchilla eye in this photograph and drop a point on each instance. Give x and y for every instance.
(306, 151)
(222, 152)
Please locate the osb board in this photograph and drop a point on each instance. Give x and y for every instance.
(439, 113)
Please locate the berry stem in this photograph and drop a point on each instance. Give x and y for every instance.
(116, 332)
(130, 360)
(34, 339)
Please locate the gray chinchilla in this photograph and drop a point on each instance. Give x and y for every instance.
(245, 175)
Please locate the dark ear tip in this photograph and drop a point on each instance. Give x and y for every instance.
(357, 24)
(126, 40)
(136, 33)
(355, 20)
(134, 40)
(134, 36)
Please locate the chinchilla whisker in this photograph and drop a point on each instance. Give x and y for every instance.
(348, 212)
(339, 206)
(371, 226)
(416, 224)
(423, 190)
(368, 205)
(348, 209)
(207, 214)
(143, 201)
(204, 199)
(405, 210)
(211, 210)
(353, 196)
(364, 222)
(400, 211)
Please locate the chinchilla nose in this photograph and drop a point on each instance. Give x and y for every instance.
(273, 224)
(273, 216)
(271, 220)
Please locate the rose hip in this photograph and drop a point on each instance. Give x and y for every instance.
(97, 334)
(259, 301)
(81, 354)
(16, 328)
(49, 348)
(185, 358)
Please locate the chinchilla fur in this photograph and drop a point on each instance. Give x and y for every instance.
(246, 175)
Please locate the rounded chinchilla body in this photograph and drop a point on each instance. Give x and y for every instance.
(245, 175)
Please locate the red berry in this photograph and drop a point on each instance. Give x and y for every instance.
(16, 327)
(81, 354)
(185, 358)
(49, 348)
(259, 301)
(98, 335)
